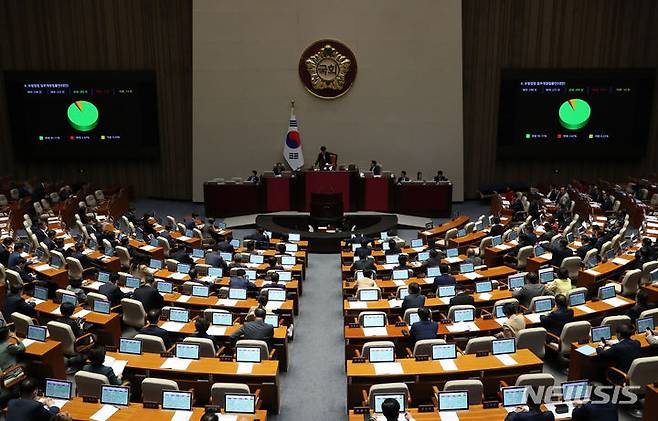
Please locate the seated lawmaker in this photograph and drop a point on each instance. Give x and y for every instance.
(462, 297)
(363, 251)
(393, 247)
(364, 264)
(641, 304)
(96, 359)
(28, 407)
(274, 281)
(10, 348)
(414, 299)
(152, 328)
(403, 262)
(240, 281)
(514, 324)
(110, 290)
(531, 289)
(445, 279)
(440, 177)
(561, 284)
(561, 252)
(256, 329)
(554, 321)
(14, 302)
(148, 295)
(532, 412)
(425, 328)
(621, 354)
(367, 280)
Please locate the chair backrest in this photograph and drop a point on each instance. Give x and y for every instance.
(475, 389)
(647, 268)
(152, 388)
(573, 332)
(572, 264)
(536, 381)
(534, 300)
(555, 239)
(124, 256)
(615, 322)
(3, 200)
(386, 389)
(171, 264)
(453, 309)
(188, 285)
(630, 283)
(424, 346)
(3, 274)
(505, 301)
(653, 313)
(479, 344)
(93, 297)
(451, 233)
(363, 314)
(151, 343)
(589, 254)
(264, 349)
(484, 243)
(89, 384)
(219, 390)
(14, 194)
(181, 228)
(13, 278)
(133, 313)
(162, 242)
(643, 371)
(365, 349)
(469, 227)
(62, 333)
(61, 291)
(206, 346)
(604, 249)
(201, 269)
(75, 268)
(522, 256)
(207, 313)
(171, 220)
(54, 197)
(532, 338)
(21, 322)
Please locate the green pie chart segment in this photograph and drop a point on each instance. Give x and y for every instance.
(574, 114)
(82, 115)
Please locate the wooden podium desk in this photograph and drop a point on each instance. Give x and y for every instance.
(82, 411)
(424, 199)
(153, 252)
(277, 193)
(263, 375)
(59, 277)
(50, 354)
(327, 182)
(230, 199)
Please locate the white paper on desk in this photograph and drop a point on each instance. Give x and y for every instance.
(485, 296)
(426, 232)
(182, 416)
(506, 359)
(104, 413)
(56, 312)
(245, 368)
(288, 267)
(533, 317)
(183, 238)
(472, 275)
(448, 365)
(389, 266)
(216, 330)
(453, 259)
(388, 368)
(94, 285)
(394, 303)
(577, 244)
(458, 327)
(224, 417)
(428, 280)
(501, 320)
(147, 247)
(418, 249)
(226, 303)
(547, 256)
(502, 247)
(513, 408)
(35, 301)
(126, 290)
(585, 309)
(42, 268)
(592, 272)
(86, 252)
(273, 305)
(27, 342)
(60, 403)
(401, 417)
(375, 331)
(24, 255)
(81, 313)
(208, 279)
(357, 304)
(649, 231)
(177, 275)
(399, 283)
(615, 302)
(551, 407)
(620, 261)
(176, 363)
(445, 300)
(586, 350)
(172, 326)
(183, 298)
(448, 416)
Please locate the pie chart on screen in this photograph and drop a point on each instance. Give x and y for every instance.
(82, 115)
(574, 114)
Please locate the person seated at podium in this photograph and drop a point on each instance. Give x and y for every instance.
(433, 261)
(531, 289)
(514, 324)
(622, 354)
(363, 251)
(323, 160)
(403, 177)
(259, 235)
(240, 281)
(27, 407)
(472, 258)
(9, 349)
(253, 178)
(375, 167)
(367, 280)
(256, 329)
(278, 168)
(440, 177)
(152, 327)
(496, 228)
(425, 328)
(96, 359)
(274, 281)
(549, 233)
(554, 321)
(641, 304)
(561, 252)
(14, 302)
(225, 246)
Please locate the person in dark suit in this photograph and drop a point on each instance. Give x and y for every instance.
(549, 232)
(445, 279)
(5, 250)
(590, 242)
(392, 247)
(14, 302)
(215, 260)
(259, 235)
(496, 227)
(323, 160)
(364, 264)
(554, 321)
(530, 290)
(148, 296)
(27, 407)
(375, 167)
(112, 291)
(278, 168)
(594, 410)
(41, 231)
(15, 255)
(225, 246)
(96, 358)
(641, 304)
(425, 328)
(462, 298)
(67, 310)
(433, 261)
(240, 281)
(201, 326)
(256, 329)
(26, 277)
(363, 251)
(622, 354)
(403, 177)
(414, 299)
(253, 178)
(533, 413)
(561, 252)
(152, 327)
(440, 177)
(531, 237)
(77, 253)
(403, 262)
(274, 282)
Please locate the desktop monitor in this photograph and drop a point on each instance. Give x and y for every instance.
(219, 318)
(256, 259)
(601, 332)
(383, 235)
(200, 290)
(109, 251)
(423, 255)
(183, 268)
(403, 292)
(575, 391)
(418, 242)
(392, 259)
(355, 246)
(237, 294)
(546, 275)
(464, 315)
(155, 264)
(484, 286)
(288, 260)
(294, 236)
(133, 282)
(115, 395)
(452, 252)
(198, 253)
(413, 318)
(130, 346)
(515, 281)
(479, 226)
(503, 346)
(577, 299)
(381, 354)
(385, 246)
(215, 272)
(369, 294)
(37, 333)
(276, 294)
(154, 243)
(165, 287)
(607, 292)
(41, 293)
(58, 389)
(466, 268)
(400, 274)
(380, 398)
(70, 298)
(250, 274)
(291, 247)
(514, 396)
(592, 261)
(539, 250)
(461, 233)
(570, 237)
(272, 320)
(453, 401)
(103, 277)
(610, 254)
(543, 305)
(188, 351)
(56, 262)
(644, 323)
(446, 291)
(227, 257)
(239, 403)
(444, 351)
(101, 306)
(176, 400)
(247, 354)
(92, 245)
(189, 233)
(497, 240)
(284, 276)
(433, 272)
(499, 312)
(235, 243)
(373, 320)
(653, 275)
(512, 235)
(180, 315)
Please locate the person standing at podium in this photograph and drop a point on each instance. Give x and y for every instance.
(323, 161)
(375, 167)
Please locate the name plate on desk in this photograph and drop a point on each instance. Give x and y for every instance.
(482, 354)
(358, 360)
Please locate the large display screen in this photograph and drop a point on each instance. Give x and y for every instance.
(83, 114)
(574, 114)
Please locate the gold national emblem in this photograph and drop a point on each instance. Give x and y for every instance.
(327, 69)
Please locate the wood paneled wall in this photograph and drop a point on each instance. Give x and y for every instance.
(548, 33)
(108, 35)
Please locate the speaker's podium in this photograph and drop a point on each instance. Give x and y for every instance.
(326, 208)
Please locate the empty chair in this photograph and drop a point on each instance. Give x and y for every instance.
(451, 233)
(651, 313)
(164, 244)
(124, 256)
(181, 228)
(151, 343)
(75, 268)
(642, 372)
(365, 349)
(475, 389)
(532, 338)
(152, 388)
(133, 313)
(604, 249)
(264, 349)
(484, 243)
(479, 344)
(219, 390)
(534, 300)
(206, 346)
(537, 381)
(386, 389)
(89, 384)
(647, 268)
(207, 313)
(522, 256)
(469, 227)
(21, 322)
(70, 345)
(571, 333)
(188, 285)
(453, 309)
(590, 254)
(95, 296)
(572, 264)
(171, 264)
(424, 346)
(630, 283)
(614, 322)
(201, 269)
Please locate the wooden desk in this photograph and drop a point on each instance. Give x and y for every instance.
(441, 230)
(83, 411)
(50, 354)
(651, 403)
(238, 306)
(194, 242)
(153, 252)
(474, 413)
(469, 239)
(590, 277)
(59, 277)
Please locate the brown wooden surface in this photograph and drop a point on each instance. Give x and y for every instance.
(50, 354)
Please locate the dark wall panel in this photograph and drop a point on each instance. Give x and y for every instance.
(108, 35)
(557, 34)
